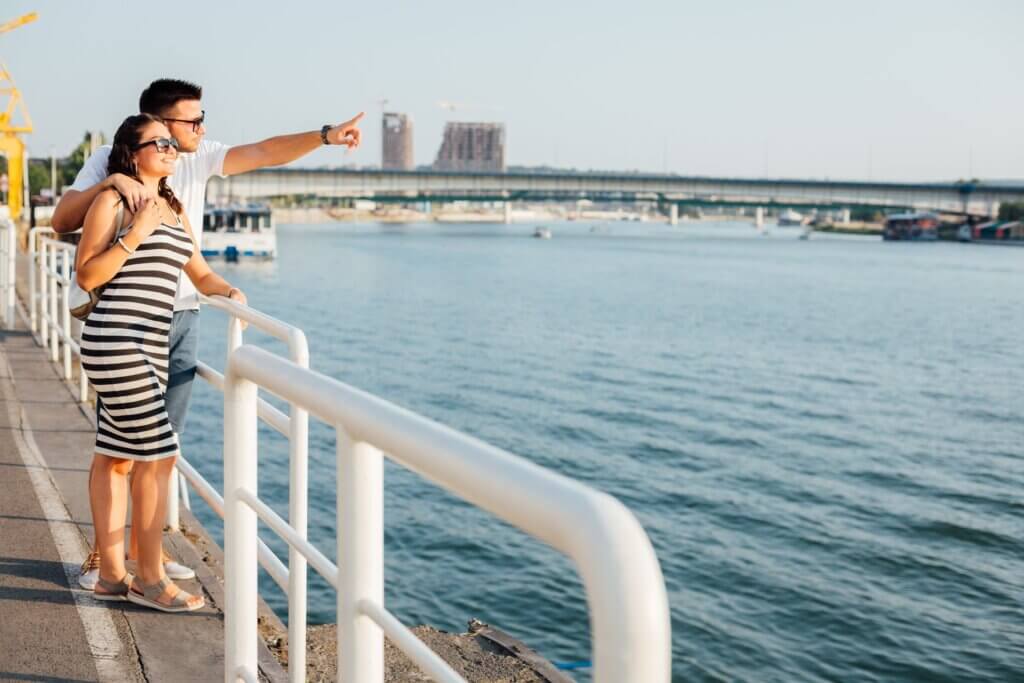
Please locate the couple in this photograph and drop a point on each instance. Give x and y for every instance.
(139, 342)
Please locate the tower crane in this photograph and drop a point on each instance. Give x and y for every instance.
(11, 144)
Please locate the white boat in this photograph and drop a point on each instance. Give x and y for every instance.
(791, 217)
(542, 233)
(234, 232)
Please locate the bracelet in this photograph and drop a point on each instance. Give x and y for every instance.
(120, 240)
(323, 134)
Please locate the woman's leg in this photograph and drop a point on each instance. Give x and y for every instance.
(149, 510)
(108, 497)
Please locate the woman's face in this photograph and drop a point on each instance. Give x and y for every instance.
(153, 156)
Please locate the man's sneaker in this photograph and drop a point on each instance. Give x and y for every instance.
(178, 572)
(175, 571)
(90, 571)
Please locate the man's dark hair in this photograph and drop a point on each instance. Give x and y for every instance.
(164, 93)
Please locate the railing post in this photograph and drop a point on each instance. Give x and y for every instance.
(173, 498)
(360, 559)
(240, 581)
(33, 318)
(54, 338)
(65, 312)
(5, 227)
(44, 329)
(298, 517)
(12, 270)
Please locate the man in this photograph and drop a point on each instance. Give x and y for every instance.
(178, 103)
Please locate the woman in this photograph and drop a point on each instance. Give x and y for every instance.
(124, 354)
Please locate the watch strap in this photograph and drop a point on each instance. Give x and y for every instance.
(323, 134)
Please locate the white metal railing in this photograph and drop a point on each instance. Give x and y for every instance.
(625, 589)
(295, 427)
(8, 270)
(50, 268)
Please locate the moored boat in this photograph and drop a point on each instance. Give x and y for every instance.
(237, 231)
(919, 226)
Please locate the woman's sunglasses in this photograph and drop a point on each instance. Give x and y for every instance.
(162, 144)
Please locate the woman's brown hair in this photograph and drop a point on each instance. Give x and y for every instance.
(126, 140)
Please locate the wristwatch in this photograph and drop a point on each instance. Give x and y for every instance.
(323, 133)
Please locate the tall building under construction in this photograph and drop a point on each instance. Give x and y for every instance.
(396, 141)
(472, 147)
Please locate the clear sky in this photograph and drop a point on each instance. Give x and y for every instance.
(895, 89)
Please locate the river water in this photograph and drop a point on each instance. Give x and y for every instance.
(822, 438)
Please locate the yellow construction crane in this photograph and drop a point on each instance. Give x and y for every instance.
(10, 144)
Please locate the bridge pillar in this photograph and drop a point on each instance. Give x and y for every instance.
(508, 212)
(673, 214)
(759, 217)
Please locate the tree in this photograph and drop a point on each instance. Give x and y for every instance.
(38, 176)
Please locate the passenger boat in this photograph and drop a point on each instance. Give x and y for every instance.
(234, 231)
(911, 226)
(542, 233)
(791, 217)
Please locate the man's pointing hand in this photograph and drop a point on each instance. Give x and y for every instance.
(347, 133)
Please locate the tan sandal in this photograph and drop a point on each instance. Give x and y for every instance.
(149, 597)
(113, 591)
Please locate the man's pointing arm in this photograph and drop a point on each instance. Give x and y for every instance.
(286, 148)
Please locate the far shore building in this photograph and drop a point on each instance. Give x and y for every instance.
(472, 147)
(396, 142)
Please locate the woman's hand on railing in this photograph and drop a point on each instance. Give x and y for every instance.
(235, 294)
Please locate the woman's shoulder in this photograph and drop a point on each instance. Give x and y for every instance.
(107, 199)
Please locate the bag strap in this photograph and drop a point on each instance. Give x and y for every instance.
(118, 222)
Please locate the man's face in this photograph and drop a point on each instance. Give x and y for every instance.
(180, 121)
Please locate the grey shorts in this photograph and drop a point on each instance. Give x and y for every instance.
(183, 344)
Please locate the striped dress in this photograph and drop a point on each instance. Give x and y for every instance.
(124, 348)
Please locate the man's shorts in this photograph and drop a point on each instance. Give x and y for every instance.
(183, 344)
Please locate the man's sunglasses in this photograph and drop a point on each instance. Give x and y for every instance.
(162, 144)
(194, 122)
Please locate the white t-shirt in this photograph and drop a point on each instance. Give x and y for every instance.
(189, 184)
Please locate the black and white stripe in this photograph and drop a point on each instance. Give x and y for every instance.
(124, 348)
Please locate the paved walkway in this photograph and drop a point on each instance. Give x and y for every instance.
(50, 629)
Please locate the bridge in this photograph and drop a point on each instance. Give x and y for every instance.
(669, 191)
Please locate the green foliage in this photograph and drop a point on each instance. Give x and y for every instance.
(72, 164)
(38, 176)
(866, 214)
(1011, 211)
